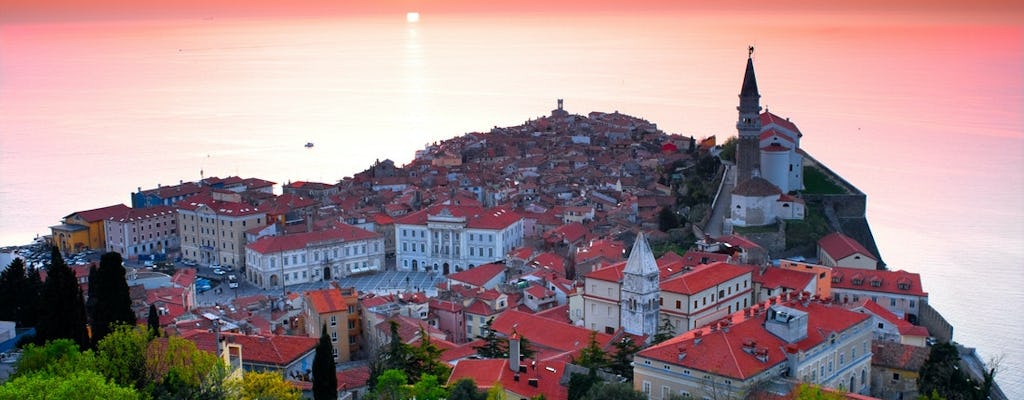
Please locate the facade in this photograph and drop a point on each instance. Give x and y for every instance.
(894, 370)
(167, 195)
(781, 163)
(452, 238)
(640, 290)
(809, 341)
(143, 231)
(335, 308)
(758, 202)
(83, 230)
(311, 190)
(212, 228)
(313, 256)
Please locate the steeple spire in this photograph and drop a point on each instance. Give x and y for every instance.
(748, 124)
(749, 80)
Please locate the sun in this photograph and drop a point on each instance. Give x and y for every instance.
(412, 17)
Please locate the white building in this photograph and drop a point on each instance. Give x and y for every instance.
(758, 202)
(452, 238)
(312, 256)
(143, 231)
(781, 163)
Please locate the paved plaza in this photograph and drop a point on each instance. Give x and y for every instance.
(380, 283)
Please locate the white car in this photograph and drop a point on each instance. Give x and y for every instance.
(233, 284)
(218, 271)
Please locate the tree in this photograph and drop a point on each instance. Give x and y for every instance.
(613, 391)
(494, 346)
(580, 384)
(83, 384)
(121, 356)
(808, 392)
(325, 378)
(941, 374)
(113, 305)
(30, 296)
(465, 389)
(665, 331)
(262, 385)
(57, 357)
(428, 388)
(62, 309)
(496, 392)
(667, 219)
(177, 369)
(621, 362)
(391, 385)
(592, 356)
(425, 358)
(526, 347)
(153, 321)
(729, 149)
(11, 281)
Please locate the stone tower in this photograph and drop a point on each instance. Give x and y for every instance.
(748, 150)
(638, 304)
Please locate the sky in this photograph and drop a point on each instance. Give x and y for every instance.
(25, 11)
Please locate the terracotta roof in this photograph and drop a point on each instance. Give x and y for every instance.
(703, 277)
(774, 278)
(722, 352)
(219, 207)
(476, 217)
(773, 132)
(546, 332)
(738, 241)
(840, 246)
(486, 373)
(550, 261)
(768, 118)
(328, 300)
(479, 275)
(340, 233)
(357, 377)
(138, 214)
(903, 326)
(100, 214)
(898, 356)
(609, 249)
(756, 187)
(279, 350)
(896, 282)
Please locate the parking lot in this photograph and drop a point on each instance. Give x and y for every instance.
(380, 283)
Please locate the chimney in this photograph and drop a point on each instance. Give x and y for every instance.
(513, 351)
(682, 352)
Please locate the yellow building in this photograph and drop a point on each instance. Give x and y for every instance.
(337, 309)
(82, 230)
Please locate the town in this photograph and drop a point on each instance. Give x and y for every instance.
(537, 260)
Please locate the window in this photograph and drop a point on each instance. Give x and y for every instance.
(351, 324)
(647, 389)
(334, 320)
(679, 304)
(334, 336)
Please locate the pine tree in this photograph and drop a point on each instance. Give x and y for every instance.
(592, 356)
(325, 379)
(493, 347)
(153, 321)
(113, 305)
(11, 281)
(665, 331)
(621, 362)
(62, 308)
(30, 296)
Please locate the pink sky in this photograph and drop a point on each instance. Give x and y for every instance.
(998, 11)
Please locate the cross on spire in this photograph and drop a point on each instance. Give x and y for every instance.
(750, 51)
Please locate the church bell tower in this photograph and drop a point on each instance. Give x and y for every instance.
(749, 125)
(638, 305)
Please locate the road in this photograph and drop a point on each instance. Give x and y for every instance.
(721, 210)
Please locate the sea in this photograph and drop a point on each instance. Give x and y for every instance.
(924, 115)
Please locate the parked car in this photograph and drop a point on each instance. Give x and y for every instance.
(218, 271)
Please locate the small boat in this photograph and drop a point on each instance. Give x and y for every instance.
(309, 144)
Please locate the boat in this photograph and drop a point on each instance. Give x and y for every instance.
(309, 144)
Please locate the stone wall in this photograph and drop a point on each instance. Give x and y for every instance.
(937, 326)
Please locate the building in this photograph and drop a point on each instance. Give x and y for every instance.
(452, 238)
(894, 369)
(305, 257)
(639, 294)
(167, 195)
(705, 295)
(900, 292)
(83, 230)
(748, 125)
(143, 231)
(486, 276)
(335, 308)
(809, 341)
(758, 202)
(837, 249)
(212, 227)
(311, 190)
(291, 356)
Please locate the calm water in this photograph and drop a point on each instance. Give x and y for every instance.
(927, 119)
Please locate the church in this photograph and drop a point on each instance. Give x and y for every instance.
(769, 163)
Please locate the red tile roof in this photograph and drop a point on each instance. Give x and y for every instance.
(138, 214)
(774, 278)
(722, 352)
(550, 261)
(357, 377)
(887, 281)
(340, 232)
(219, 207)
(479, 275)
(703, 277)
(903, 326)
(278, 350)
(840, 246)
(609, 249)
(100, 214)
(328, 300)
(561, 337)
(768, 118)
(486, 373)
(476, 217)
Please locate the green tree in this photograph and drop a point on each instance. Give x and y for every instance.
(425, 358)
(121, 356)
(325, 378)
(592, 356)
(941, 374)
(494, 346)
(526, 348)
(613, 391)
(57, 357)
(391, 385)
(62, 308)
(12, 280)
(667, 219)
(113, 302)
(580, 384)
(729, 149)
(808, 392)
(83, 384)
(153, 321)
(31, 295)
(496, 392)
(465, 389)
(266, 385)
(665, 331)
(621, 362)
(176, 369)
(428, 388)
